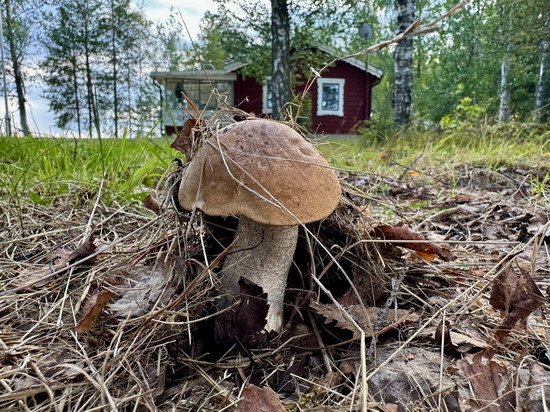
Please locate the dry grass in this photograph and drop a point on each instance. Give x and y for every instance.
(159, 358)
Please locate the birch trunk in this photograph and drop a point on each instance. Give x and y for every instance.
(403, 66)
(504, 88)
(504, 94)
(17, 73)
(539, 91)
(280, 56)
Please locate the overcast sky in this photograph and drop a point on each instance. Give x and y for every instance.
(39, 117)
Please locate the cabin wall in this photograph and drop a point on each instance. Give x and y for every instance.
(357, 99)
(248, 94)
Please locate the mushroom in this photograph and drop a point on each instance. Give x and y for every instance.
(269, 176)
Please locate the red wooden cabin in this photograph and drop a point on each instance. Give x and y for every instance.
(341, 98)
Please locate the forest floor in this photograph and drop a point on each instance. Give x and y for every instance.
(106, 301)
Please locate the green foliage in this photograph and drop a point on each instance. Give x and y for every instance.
(465, 114)
(44, 170)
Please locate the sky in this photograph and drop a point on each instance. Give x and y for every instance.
(41, 121)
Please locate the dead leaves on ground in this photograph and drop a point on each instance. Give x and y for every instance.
(92, 308)
(516, 295)
(57, 263)
(259, 400)
(243, 322)
(490, 382)
(367, 318)
(423, 250)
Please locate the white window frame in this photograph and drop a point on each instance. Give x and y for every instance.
(265, 83)
(320, 111)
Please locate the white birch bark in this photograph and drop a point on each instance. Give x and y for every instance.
(504, 94)
(504, 87)
(539, 91)
(403, 66)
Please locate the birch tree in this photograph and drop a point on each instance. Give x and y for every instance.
(280, 55)
(504, 86)
(541, 78)
(17, 34)
(403, 65)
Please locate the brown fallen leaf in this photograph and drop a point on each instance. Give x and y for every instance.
(516, 296)
(32, 279)
(256, 399)
(91, 310)
(245, 320)
(186, 140)
(152, 204)
(538, 394)
(504, 286)
(490, 383)
(405, 233)
(365, 317)
(455, 344)
(138, 300)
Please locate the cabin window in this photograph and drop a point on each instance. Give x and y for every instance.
(330, 97)
(199, 92)
(267, 96)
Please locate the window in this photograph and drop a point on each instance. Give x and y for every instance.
(330, 97)
(267, 96)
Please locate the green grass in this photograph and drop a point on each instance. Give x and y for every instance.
(438, 152)
(42, 170)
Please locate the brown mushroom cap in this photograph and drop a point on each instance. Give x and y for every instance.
(275, 176)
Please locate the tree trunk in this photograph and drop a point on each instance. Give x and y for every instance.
(539, 91)
(115, 68)
(504, 88)
(92, 103)
(74, 76)
(403, 66)
(280, 56)
(504, 94)
(17, 74)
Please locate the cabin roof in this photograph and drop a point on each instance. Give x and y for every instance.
(229, 70)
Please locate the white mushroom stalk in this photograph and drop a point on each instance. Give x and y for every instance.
(262, 254)
(272, 179)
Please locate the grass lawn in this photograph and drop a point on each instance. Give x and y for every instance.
(42, 169)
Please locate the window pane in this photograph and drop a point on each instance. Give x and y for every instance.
(191, 90)
(208, 100)
(225, 90)
(331, 94)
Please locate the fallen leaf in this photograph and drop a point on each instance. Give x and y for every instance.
(137, 300)
(256, 399)
(455, 344)
(504, 286)
(245, 320)
(32, 279)
(185, 140)
(365, 317)
(91, 310)
(405, 233)
(152, 204)
(427, 257)
(517, 296)
(538, 394)
(490, 383)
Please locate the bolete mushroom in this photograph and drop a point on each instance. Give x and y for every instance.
(269, 176)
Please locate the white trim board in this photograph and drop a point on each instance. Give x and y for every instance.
(325, 80)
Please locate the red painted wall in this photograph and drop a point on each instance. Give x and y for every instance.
(357, 99)
(248, 94)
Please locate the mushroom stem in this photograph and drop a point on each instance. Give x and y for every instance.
(262, 254)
